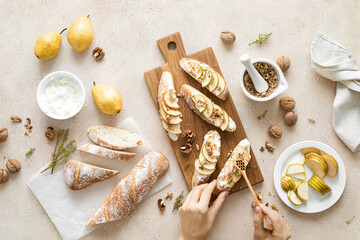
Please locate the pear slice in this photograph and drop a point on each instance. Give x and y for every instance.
(174, 129)
(206, 77)
(213, 82)
(319, 185)
(199, 102)
(207, 156)
(300, 160)
(287, 183)
(302, 191)
(295, 169)
(312, 154)
(169, 119)
(331, 164)
(317, 165)
(221, 86)
(226, 121)
(170, 98)
(193, 68)
(169, 111)
(209, 108)
(298, 176)
(218, 115)
(310, 149)
(293, 198)
(200, 168)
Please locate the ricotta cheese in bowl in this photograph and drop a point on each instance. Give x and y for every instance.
(60, 95)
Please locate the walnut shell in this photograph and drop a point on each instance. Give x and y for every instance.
(275, 131)
(3, 134)
(283, 62)
(287, 103)
(290, 118)
(4, 176)
(228, 37)
(13, 165)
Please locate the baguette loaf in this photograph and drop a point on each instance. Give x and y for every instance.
(132, 188)
(105, 152)
(229, 175)
(79, 175)
(205, 165)
(206, 76)
(114, 138)
(206, 109)
(169, 108)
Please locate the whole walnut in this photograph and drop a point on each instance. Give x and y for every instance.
(3, 134)
(227, 37)
(13, 165)
(283, 62)
(287, 103)
(290, 118)
(275, 131)
(4, 176)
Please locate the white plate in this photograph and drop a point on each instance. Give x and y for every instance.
(316, 202)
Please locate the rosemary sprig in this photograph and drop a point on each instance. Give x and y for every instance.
(311, 120)
(186, 165)
(63, 148)
(262, 38)
(178, 201)
(28, 153)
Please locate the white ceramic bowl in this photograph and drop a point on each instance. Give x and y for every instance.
(316, 202)
(282, 85)
(46, 80)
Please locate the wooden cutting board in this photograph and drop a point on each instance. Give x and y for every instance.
(192, 121)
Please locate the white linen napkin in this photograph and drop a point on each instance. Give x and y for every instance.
(332, 60)
(70, 210)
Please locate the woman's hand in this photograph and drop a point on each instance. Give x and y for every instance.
(196, 217)
(281, 230)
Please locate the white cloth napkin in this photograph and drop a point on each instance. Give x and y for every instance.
(70, 210)
(332, 60)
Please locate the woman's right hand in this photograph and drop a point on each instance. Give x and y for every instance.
(281, 230)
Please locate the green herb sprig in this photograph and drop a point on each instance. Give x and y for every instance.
(178, 201)
(262, 38)
(311, 120)
(28, 153)
(186, 165)
(63, 148)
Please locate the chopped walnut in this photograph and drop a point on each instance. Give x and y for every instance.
(269, 147)
(217, 113)
(259, 117)
(169, 196)
(15, 118)
(161, 204)
(259, 196)
(186, 148)
(262, 149)
(49, 133)
(266, 204)
(98, 53)
(197, 147)
(188, 135)
(273, 206)
(28, 121)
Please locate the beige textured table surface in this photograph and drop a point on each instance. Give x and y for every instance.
(127, 31)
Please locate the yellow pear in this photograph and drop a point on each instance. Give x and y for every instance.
(47, 46)
(80, 34)
(107, 99)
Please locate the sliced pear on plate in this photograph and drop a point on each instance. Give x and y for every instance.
(213, 82)
(220, 87)
(226, 121)
(302, 191)
(300, 160)
(169, 111)
(331, 164)
(200, 102)
(295, 169)
(310, 149)
(174, 129)
(287, 183)
(218, 115)
(200, 168)
(209, 108)
(317, 165)
(298, 176)
(319, 185)
(169, 98)
(206, 77)
(294, 199)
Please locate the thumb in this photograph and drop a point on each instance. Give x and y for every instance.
(258, 221)
(214, 209)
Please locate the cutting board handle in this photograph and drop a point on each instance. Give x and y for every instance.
(172, 56)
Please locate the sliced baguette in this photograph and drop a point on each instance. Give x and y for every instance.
(206, 76)
(105, 152)
(114, 138)
(216, 117)
(166, 86)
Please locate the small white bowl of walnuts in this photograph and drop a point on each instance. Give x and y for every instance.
(272, 74)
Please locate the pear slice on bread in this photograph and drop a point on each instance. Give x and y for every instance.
(212, 114)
